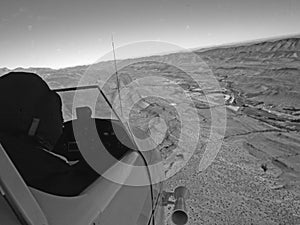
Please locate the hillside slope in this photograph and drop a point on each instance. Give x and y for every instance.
(255, 178)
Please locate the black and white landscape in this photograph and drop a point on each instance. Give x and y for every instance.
(255, 178)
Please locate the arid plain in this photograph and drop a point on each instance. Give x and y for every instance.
(255, 177)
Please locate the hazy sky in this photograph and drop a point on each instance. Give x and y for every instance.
(60, 33)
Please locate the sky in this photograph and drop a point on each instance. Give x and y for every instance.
(63, 33)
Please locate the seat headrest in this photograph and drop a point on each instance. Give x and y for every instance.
(28, 106)
(83, 112)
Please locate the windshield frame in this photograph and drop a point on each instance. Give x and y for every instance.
(89, 87)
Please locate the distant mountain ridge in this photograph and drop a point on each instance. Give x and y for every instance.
(282, 45)
(289, 46)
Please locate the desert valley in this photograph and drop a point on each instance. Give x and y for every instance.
(255, 177)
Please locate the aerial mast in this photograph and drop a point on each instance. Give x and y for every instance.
(117, 75)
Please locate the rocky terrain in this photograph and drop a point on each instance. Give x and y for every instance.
(255, 178)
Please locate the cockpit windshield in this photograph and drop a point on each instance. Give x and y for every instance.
(90, 96)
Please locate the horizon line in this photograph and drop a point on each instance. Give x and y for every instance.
(200, 48)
